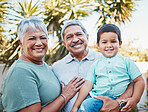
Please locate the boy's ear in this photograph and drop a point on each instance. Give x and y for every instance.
(120, 43)
(98, 44)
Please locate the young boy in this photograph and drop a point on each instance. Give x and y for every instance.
(110, 75)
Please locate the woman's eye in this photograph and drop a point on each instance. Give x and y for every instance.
(43, 37)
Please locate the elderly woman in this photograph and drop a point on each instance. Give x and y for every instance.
(30, 85)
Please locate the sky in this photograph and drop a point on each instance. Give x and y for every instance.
(135, 31)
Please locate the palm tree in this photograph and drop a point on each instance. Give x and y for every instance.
(3, 40)
(56, 12)
(16, 12)
(114, 11)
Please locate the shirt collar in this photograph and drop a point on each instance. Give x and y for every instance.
(110, 57)
(89, 56)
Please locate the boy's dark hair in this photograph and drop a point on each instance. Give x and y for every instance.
(109, 28)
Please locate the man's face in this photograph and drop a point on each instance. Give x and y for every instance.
(75, 40)
(109, 44)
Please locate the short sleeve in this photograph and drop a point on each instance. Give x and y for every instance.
(132, 69)
(21, 91)
(91, 73)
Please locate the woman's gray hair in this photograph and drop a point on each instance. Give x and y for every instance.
(72, 22)
(33, 23)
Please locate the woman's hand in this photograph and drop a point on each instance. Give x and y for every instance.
(72, 87)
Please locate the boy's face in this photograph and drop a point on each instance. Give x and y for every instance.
(109, 44)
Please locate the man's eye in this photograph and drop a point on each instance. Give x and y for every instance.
(31, 39)
(79, 34)
(68, 37)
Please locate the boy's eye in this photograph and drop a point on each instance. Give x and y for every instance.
(113, 41)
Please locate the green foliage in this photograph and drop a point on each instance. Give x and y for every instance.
(114, 11)
(135, 54)
(3, 39)
(14, 14)
(54, 13)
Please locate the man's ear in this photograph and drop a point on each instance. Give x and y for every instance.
(87, 36)
(63, 42)
(120, 43)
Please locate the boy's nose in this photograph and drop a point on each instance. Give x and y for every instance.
(109, 44)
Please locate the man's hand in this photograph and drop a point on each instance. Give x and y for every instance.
(109, 105)
(130, 105)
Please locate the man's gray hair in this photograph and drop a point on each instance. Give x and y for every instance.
(33, 23)
(72, 22)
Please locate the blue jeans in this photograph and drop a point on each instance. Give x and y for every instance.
(91, 105)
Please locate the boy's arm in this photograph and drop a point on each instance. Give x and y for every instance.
(83, 93)
(139, 86)
(128, 93)
(111, 105)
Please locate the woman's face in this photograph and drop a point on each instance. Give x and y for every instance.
(35, 45)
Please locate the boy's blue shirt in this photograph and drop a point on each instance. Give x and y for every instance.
(111, 76)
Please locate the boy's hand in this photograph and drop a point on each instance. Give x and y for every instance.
(74, 109)
(130, 104)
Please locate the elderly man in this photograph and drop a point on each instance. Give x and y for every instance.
(78, 62)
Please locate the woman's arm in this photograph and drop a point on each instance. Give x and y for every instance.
(68, 91)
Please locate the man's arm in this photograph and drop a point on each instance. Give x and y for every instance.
(110, 105)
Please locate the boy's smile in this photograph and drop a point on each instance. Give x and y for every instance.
(109, 44)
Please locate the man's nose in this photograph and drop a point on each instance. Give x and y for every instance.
(75, 38)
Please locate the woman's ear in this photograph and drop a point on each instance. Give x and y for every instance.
(20, 43)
